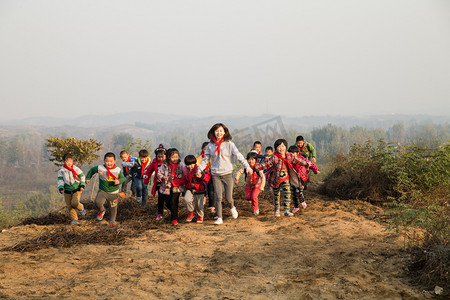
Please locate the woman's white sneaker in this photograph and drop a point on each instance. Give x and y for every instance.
(218, 221)
(234, 212)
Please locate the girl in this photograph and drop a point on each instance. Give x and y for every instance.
(302, 172)
(219, 151)
(172, 168)
(253, 184)
(160, 154)
(278, 178)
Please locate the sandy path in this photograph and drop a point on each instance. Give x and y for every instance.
(331, 251)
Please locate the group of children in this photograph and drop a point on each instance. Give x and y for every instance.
(284, 170)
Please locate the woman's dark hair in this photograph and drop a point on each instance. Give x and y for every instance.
(279, 142)
(252, 155)
(109, 154)
(189, 160)
(226, 137)
(160, 149)
(293, 149)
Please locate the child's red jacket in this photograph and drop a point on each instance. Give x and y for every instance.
(192, 182)
(154, 165)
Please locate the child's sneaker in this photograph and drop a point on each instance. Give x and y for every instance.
(74, 222)
(296, 209)
(256, 212)
(199, 220)
(138, 199)
(288, 214)
(234, 212)
(190, 216)
(112, 223)
(100, 215)
(277, 213)
(83, 211)
(218, 221)
(303, 204)
(159, 217)
(174, 222)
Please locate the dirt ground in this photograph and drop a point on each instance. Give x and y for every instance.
(330, 250)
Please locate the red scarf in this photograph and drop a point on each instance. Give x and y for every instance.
(203, 153)
(254, 174)
(75, 175)
(288, 164)
(192, 176)
(302, 148)
(128, 160)
(108, 172)
(218, 146)
(143, 165)
(173, 169)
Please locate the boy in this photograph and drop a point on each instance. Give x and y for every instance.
(305, 148)
(269, 152)
(71, 183)
(195, 188)
(110, 177)
(127, 164)
(302, 171)
(138, 171)
(257, 147)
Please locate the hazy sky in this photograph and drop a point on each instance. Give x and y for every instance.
(71, 58)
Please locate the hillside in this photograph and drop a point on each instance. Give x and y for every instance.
(332, 250)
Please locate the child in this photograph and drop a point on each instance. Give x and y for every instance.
(210, 186)
(306, 148)
(254, 183)
(171, 169)
(160, 154)
(195, 188)
(281, 163)
(110, 177)
(257, 147)
(71, 183)
(268, 152)
(219, 151)
(297, 189)
(138, 170)
(127, 163)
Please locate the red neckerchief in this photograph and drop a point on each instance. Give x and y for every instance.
(173, 169)
(108, 172)
(284, 160)
(302, 148)
(218, 146)
(191, 176)
(203, 153)
(143, 165)
(254, 174)
(75, 175)
(128, 160)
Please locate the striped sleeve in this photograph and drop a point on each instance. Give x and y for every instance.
(60, 179)
(81, 176)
